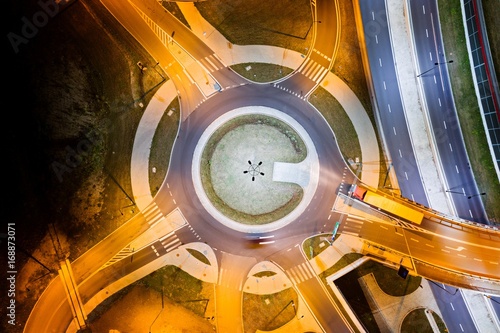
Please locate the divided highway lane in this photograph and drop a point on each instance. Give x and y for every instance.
(388, 100)
(441, 109)
(453, 308)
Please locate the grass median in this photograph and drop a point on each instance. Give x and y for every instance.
(468, 111)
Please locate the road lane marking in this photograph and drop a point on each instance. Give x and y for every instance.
(380, 62)
(400, 155)
(470, 212)
(376, 39)
(476, 259)
(430, 55)
(415, 240)
(389, 107)
(406, 175)
(445, 250)
(394, 129)
(423, 9)
(444, 122)
(452, 307)
(493, 262)
(427, 32)
(435, 81)
(383, 227)
(456, 168)
(385, 87)
(439, 101)
(429, 245)
(451, 148)
(461, 255)
(400, 234)
(373, 16)
(461, 327)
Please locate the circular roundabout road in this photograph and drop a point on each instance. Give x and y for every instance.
(325, 168)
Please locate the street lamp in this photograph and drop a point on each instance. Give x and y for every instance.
(254, 170)
(162, 307)
(456, 289)
(435, 64)
(475, 195)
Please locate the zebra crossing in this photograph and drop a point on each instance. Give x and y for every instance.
(313, 70)
(300, 273)
(352, 225)
(125, 252)
(152, 214)
(170, 242)
(211, 63)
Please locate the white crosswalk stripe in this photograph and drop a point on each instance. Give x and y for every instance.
(152, 214)
(211, 63)
(119, 256)
(300, 273)
(170, 242)
(352, 226)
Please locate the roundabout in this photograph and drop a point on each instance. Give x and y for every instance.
(261, 196)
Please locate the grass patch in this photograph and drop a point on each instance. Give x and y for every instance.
(180, 287)
(285, 23)
(264, 274)
(348, 63)
(416, 322)
(206, 171)
(261, 72)
(174, 9)
(337, 118)
(468, 110)
(198, 255)
(315, 245)
(346, 259)
(268, 312)
(491, 11)
(439, 321)
(161, 147)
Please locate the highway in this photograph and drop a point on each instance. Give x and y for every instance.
(389, 107)
(434, 243)
(434, 79)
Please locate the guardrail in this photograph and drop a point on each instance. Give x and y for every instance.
(442, 218)
(483, 74)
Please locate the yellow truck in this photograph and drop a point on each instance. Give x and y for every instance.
(387, 204)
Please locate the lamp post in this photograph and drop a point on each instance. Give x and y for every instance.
(455, 192)
(443, 288)
(475, 195)
(435, 64)
(162, 306)
(254, 170)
